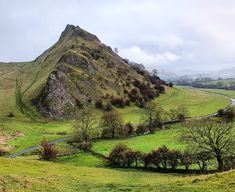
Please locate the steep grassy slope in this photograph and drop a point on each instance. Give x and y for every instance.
(30, 175)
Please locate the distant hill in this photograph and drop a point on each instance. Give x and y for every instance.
(78, 70)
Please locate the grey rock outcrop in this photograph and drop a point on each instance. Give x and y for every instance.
(55, 99)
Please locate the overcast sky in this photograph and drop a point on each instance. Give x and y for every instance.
(180, 34)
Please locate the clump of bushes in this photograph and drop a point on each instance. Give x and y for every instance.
(122, 156)
(162, 158)
(226, 115)
(145, 90)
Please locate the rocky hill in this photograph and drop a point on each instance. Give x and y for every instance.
(78, 70)
(86, 72)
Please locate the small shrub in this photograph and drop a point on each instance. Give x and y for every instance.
(118, 102)
(141, 129)
(10, 115)
(128, 102)
(220, 112)
(99, 104)
(125, 91)
(171, 84)
(228, 115)
(117, 155)
(108, 107)
(48, 151)
(3, 151)
(128, 129)
(85, 146)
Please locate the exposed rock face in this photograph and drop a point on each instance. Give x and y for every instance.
(55, 99)
(78, 60)
(78, 32)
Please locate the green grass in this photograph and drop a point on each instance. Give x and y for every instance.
(197, 102)
(34, 132)
(222, 82)
(20, 175)
(81, 159)
(169, 137)
(229, 93)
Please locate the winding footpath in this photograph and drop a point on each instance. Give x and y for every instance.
(33, 148)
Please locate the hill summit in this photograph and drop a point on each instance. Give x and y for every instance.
(83, 71)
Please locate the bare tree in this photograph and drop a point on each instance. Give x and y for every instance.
(154, 72)
(172, 114)
(182, 112)
(153, 116)
(179, 113)
(112, 124)
(211, 137)
(84, 125)
(116, 50)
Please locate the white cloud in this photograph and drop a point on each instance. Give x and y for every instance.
(138, 55)
(170, 40)
(193, 34)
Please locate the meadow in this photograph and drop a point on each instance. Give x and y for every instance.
(145, 143)
(20, 175)
(229, 93)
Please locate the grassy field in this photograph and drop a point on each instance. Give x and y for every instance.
(169, 137)
(20, 175)
(229, 93)
(34, 133)
(194, 100)
(222, 82)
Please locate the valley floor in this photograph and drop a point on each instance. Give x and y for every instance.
(86, 172)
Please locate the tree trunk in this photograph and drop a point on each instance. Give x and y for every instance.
(220, 162)
(113, 132)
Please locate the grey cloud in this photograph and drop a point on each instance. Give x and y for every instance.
(196, 34)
